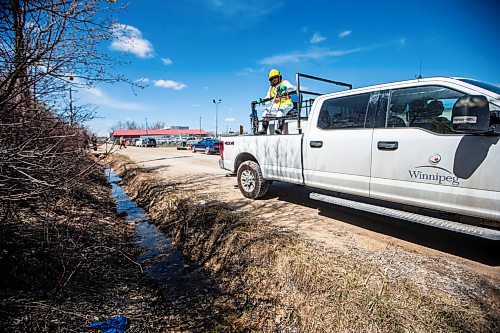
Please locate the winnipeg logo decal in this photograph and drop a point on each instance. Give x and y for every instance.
(435, 159)
(433, 173)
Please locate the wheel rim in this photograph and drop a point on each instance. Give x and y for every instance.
(247, 181)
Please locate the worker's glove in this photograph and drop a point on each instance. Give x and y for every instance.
(259, 100)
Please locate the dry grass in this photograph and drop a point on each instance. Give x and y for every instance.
(63, 267)
(277, 282)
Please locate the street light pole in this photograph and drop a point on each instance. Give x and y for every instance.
(200, 128)
(146, 126)
(216, 115)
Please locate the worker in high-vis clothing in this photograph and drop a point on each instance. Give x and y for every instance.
(281, 103)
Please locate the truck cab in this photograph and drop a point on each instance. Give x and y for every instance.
(396, 142)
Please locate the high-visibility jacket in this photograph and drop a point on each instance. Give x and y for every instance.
(280, 103)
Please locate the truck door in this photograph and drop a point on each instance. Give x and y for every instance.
(337, 146)
(418, 160)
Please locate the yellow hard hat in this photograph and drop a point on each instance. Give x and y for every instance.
(274, 72)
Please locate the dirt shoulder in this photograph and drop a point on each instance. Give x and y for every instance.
(407, 279)
(288, 206)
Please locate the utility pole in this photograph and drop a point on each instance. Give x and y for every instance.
(216, 115)
(200, 127)
(71, 114)
(146, 126)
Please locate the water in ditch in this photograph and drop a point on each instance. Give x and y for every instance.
(161, 260)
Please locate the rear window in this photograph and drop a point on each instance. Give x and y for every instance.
(344, 112)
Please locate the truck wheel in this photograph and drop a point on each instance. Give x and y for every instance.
(250, 181)
(207, 151)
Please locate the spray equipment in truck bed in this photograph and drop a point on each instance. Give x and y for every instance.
(302, 106)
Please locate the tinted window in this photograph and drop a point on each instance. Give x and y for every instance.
(344, 112)
(425, 107)
(377, 109)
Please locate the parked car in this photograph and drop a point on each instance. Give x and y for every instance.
(191, 140)
(161, 141)
(209, 146)
(138, 143)
(149, 142)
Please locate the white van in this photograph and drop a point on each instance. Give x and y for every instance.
(139, 143)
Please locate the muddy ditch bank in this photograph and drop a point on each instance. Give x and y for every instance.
(271, 280)
(72, 260)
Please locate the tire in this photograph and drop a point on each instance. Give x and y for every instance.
(207, 150)
(193, 150)
(250, 181)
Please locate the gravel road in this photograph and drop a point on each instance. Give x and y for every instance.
(433, 258)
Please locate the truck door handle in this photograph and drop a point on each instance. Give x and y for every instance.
(387, 145)
(316, 144)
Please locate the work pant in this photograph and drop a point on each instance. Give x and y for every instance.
(280, 112)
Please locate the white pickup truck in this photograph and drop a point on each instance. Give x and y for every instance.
(429, 147)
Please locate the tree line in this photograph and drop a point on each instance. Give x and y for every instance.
(48, 49)
(132, 125)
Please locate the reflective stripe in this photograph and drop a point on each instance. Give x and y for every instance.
(273, 91)
(284, 98)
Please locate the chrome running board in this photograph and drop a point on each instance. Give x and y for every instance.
(411, 217)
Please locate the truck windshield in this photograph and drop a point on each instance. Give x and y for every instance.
(483, 85)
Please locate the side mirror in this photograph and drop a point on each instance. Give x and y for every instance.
(471, 114)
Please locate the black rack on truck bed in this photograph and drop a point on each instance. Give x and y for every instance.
(300, 104)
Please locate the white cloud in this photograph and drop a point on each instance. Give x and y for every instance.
(345, 33)
(205, 88)
(243, 10)
(246, 71)
(166, 61)
(317, 38)
(128, 38)
(95, 92)
(230, 120)
(169, 84)
(98, 97)
(142, 80)
(299, 56)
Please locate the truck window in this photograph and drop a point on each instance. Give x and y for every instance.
(344, 112)
(424, 107)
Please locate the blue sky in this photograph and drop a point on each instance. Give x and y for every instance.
(193, 51)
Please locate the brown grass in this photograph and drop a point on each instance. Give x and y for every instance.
(277, 282)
